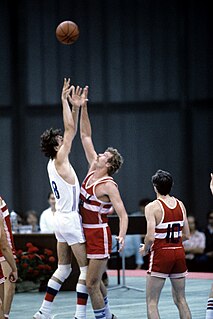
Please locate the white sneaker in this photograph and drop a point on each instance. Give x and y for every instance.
(40, 315)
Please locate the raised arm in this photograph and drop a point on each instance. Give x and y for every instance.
(86, 131)
(115, 198)
(69, 125)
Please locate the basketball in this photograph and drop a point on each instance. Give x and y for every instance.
(67, 32)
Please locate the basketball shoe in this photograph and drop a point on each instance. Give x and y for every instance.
(40, 315)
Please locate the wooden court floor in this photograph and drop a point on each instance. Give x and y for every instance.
(125, 303)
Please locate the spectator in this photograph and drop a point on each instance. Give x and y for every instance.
(46, 219)
(32, 219)
(194, 247)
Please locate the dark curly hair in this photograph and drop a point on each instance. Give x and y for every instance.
(49, 142)
(116, 161)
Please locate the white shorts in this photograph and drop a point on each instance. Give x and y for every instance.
(68, 228)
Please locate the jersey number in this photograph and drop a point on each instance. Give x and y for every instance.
(173, 233)
(55, 190)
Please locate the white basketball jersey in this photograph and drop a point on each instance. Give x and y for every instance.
(66, 195)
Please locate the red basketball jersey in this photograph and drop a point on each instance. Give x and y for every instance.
(4, 213)
(92, 210)
(94, 219)
(168, 233)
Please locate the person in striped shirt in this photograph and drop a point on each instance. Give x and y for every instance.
(167, 227)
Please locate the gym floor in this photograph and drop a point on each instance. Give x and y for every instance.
(125, 301)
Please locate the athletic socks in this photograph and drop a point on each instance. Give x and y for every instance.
(100, 313)
(52, 289)
(209, 309)
(82, 297)
(107, 310)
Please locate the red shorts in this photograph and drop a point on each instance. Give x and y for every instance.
(2, 279)
(98, 241)
(168, 262)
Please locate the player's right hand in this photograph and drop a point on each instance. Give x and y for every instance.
(13, 276)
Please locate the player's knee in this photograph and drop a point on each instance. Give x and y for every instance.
(83, 273)
(62, 272)
(92, 284)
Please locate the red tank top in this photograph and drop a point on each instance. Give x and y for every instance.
(92, 210)
(168, 233)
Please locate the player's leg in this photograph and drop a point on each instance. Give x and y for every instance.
(154, 286)
(178, 293)
(79, 251)
(109, 315)
(9, 288)
(94, 274)
(1, 299)
(54, 284)
(209, 309)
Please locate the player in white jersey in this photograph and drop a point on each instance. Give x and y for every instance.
(65, 186)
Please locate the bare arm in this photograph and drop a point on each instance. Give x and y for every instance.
(69, 125)
(115, 198)
(151, 223)
(86, 132)
(185, 230)
(211, 183)
(7, 253)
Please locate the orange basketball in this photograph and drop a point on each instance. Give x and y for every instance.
(67, 32)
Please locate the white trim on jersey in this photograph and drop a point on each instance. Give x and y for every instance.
(95, 225)
(163, 235)
(163, 213)
(96, 209)
(165, 225)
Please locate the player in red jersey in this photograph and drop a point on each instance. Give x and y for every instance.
(167, 227)
(9, 287)
(99, 193)
(9, 257)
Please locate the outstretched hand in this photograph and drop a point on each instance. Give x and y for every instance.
(77, 96)
(66, 89)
